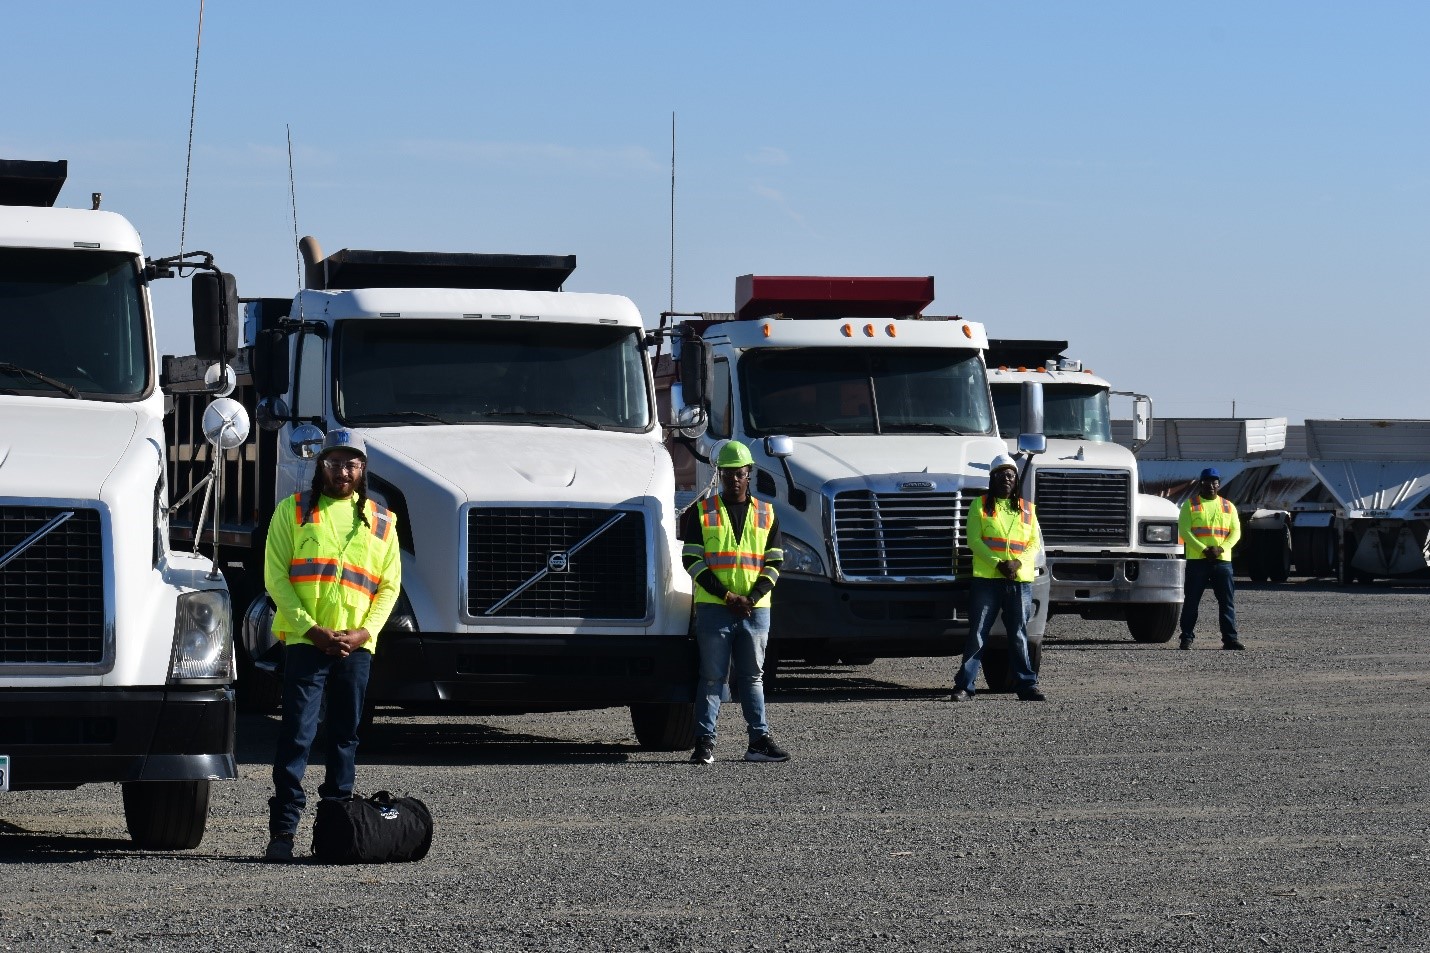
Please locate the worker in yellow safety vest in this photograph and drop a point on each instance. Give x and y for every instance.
(732, 552)
(1003, 535)
(1210, 528)
(333, 571)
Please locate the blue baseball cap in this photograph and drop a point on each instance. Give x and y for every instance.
(1211, 473)
(342, 439)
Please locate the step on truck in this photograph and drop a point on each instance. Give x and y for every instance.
(511, 428)
(116, 658)
(1112, 550)
(872, 432)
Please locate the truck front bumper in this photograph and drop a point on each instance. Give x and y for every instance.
(513, 673)
(62, 738)
(814, 619)
(1105, 584)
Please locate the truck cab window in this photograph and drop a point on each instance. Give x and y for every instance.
(401, 373)
(865, 391)
(720, 399)
(75, 318)
(308, 383)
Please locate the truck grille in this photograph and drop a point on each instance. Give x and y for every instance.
(52, 594)
(1084, 506)
(883, 537)
(507, 547)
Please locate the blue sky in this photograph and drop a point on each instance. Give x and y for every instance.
(1213, 202)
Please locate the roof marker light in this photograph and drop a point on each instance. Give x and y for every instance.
(891, 331)
(847, 331)
(868, 330)
(967, 332)
(768, 329)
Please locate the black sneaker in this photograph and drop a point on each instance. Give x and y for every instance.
(961, 695)
(704, 752)
(280, 849)
(1185, 645)
(1233, 646)
(764, 748)
(1031, 694)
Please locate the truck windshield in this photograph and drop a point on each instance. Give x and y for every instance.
(1070, 411)
(72, 324)
(400, 373)
(864, 391)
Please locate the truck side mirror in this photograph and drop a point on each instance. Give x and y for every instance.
(215, 300)
(270, 363)
(696, 371)
(1141, 419)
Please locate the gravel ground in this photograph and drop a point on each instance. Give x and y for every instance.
(1273, 799)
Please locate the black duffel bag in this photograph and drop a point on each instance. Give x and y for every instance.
(379, 829)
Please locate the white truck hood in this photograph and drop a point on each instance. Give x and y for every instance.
(489, 463)
(819, 459)
(61, 449)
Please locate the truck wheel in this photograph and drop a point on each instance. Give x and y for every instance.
(258, 691)
(1153, 622)
(664, 727)
(1278, 557)
(166, 815)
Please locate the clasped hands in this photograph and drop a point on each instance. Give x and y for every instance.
(742, 606)
(338, 642)
(1211, 552)
(1009, 568)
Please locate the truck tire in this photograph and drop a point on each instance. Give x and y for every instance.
(166, 815)
(664, 727)
(1276, 555)
(258, 691)
(1153, 622)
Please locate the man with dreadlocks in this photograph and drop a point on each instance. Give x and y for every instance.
(1003, 535)
(333, 570)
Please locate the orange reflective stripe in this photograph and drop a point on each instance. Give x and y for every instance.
(312, 570)
(998, 543)
(362, 581)
(764, 513)
(381, 519)
(299, 518)
(1218, 531)
(734, 560)
(710, 511)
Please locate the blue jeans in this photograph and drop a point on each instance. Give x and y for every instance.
(306, 672)
(1215, 573)
(723, 638)
(986, 599)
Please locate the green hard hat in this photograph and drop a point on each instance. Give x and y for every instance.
(734, 454)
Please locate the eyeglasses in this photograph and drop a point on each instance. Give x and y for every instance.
(338, 466)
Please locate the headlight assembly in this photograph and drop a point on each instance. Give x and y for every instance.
(203, 637)
(800, 557)
(1163, 534)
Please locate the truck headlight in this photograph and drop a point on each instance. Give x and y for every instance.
(800, 558)
(1163, 534)
(203, 637)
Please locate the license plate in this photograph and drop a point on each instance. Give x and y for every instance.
(4, 772)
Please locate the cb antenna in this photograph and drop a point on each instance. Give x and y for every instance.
(293, 204)
(672, 210)
(193, 107)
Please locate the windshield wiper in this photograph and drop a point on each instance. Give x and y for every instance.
(804, 425)
(925, 425)
(1067, 435)
(391, 415)
(542, 413)
(69, 390)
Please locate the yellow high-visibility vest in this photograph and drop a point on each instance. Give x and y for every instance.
(998, 533)
(1206, 523)
(738, 563)
(329, 569)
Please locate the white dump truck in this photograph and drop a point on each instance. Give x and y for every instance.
(872, 432)
(116, 661)
(1112, 550)
(511, 427)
